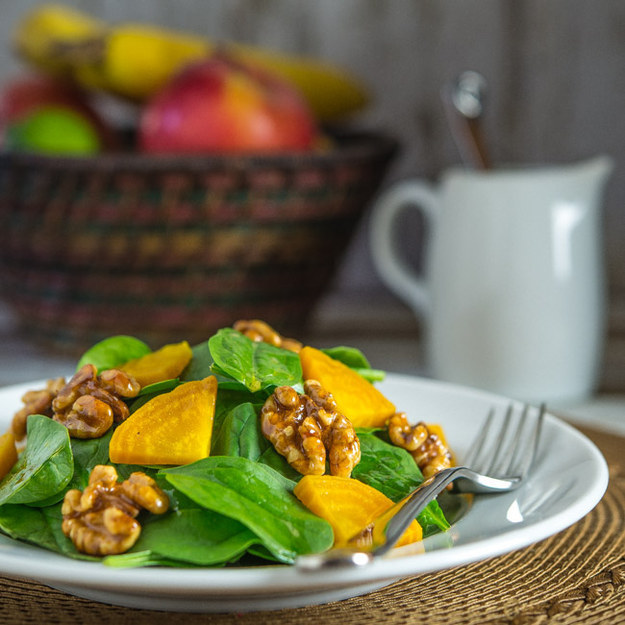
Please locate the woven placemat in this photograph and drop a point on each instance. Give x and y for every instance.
(574, 577)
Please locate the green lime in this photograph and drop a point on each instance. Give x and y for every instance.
(53, 130)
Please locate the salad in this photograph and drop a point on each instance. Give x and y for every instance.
(249, 448)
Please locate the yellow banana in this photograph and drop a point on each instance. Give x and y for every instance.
(331, 93)
(44, 34)
(139, 60)
(135, 61)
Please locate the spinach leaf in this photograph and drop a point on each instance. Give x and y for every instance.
(259, 498)
(356, 360)
(44, 468)
(134, 559)
(372, 375)
(393, 471)
(228, 399)
(277, 462)
(113, 352)
(22, 522)
(257, 365)
(238, 434)
(350, 356)
(156, 388)
(200, 365)
(39, 526)
(197, 536)
(87, 454)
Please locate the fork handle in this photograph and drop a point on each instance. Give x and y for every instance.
(465, 480)
(407, 509)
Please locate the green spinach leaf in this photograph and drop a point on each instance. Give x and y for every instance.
(200, 365)
(238, 434)
(157, 388)
(356, 360)
(87, 454)
(44, 468)
(196, 536)
(257, 365)
(23, 522)
(259, 498)
(38, 526)
(277, 462)
(113, 352)
(350, 356)
(393, 471)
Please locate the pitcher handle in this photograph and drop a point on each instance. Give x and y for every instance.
(388, 261)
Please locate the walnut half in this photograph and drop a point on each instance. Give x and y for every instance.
(89, 403)
(307, 428)
(426, 447)
(261, 331)
(101, 520)
(35, 402)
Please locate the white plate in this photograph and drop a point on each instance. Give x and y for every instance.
(568, 480)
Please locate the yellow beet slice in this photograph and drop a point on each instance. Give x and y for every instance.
(348, 505)
(356, 398)
(8, 453)
(173, 428)
(164, 364)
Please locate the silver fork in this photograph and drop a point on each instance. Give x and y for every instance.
(499, 460)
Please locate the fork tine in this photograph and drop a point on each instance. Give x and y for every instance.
(488, 464)
(527, 444)
(478, 444)
(505, 457)
(532, 446)
(518, 447)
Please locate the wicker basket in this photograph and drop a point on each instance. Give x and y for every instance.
(166, 248)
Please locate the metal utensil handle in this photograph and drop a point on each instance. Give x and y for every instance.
(427, 492)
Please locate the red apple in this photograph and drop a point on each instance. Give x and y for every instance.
(24, 95)
(221, 105)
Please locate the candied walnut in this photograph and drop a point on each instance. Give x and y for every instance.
(404, 435)
(89, 403)
(307, 428)
(432, 456)
(101, 520)
(35, 402)
(426, 447)
(260, 331)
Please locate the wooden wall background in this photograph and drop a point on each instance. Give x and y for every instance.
(556, 70)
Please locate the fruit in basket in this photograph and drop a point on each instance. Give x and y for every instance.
(46, 35)
(25, 93)
(22, 95)
(221, 105)
(52, 130)
(136, 60)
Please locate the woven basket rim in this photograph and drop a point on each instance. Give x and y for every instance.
(351, 146)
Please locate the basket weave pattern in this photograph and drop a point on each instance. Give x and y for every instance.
(171, 248)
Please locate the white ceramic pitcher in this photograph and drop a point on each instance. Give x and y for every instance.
(512, 294)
